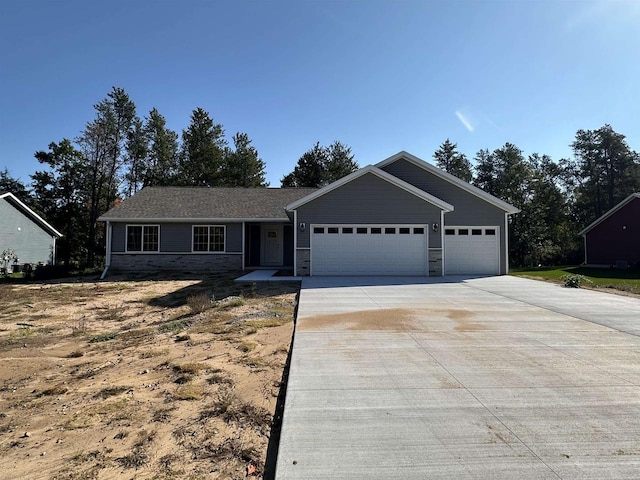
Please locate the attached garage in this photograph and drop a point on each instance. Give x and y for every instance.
(472, 250)
(399, 249)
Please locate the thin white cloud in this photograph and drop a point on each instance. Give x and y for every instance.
(587, 13)
(465, 120)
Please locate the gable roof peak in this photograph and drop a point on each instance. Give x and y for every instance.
(373, 169)
(438, 172)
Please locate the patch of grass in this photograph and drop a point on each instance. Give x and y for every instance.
(625, 280)
(112, 313)
(21, 332)
(162, 415)
(190, 368)
(199, 302)
(112, 391)
(219, 378)
(174, 326)
(252, 362)
(189, 391)
(231, 302)
(268, 322)
(57, 390)
(154, 353)
(246, 347)
(103, 337)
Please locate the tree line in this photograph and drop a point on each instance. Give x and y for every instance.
(556, 199)
(118, 153)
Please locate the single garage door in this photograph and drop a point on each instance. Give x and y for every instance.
(369, 250)
(472, 250)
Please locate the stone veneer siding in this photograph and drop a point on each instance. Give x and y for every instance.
(303, 259)
(435, 263)
(176, 262)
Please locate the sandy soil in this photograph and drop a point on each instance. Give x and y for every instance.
(140, 378)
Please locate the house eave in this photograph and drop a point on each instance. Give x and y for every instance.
(191, 220)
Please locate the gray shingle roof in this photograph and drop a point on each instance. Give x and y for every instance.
(155, 203)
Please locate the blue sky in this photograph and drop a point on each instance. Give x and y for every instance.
(380, 76)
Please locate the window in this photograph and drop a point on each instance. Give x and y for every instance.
(143, 238)
(332, 230)
(390, 230)
(476, 231)
(490, 231)
(347, 230)
(376, 230)
(463, 231)
(405, 231)
(318, 230)
(418, 231)
(449, 231)
(208, 238)
(361, 230)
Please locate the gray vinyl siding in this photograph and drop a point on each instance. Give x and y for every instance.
(20, 233)
(177, 237)
(368, 200)
(470, 210)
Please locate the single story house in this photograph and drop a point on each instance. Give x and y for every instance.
(26, 233)
(402, 216)
(614, 238)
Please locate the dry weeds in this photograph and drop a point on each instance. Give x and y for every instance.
(130, 378)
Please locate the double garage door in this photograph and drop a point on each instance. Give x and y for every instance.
(401, 250)
(369, 250)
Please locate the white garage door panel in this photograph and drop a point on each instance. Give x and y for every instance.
(386, 253)
(472, 250)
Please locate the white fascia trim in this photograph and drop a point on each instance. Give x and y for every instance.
(381, 174)
(610, 212)
(451, 179)
(192, 220)
(35, 216)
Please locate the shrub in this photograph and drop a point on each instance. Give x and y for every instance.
(199, 303)
(574, 280)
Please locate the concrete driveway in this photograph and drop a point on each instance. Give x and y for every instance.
(461, 378)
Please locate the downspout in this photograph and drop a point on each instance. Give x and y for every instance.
(53, 254)
(584, 239)
(442, 242)
(295, 243)
(108, 256)
(506, 243)
(244, 243)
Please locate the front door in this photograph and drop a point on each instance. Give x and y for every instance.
(272, 245)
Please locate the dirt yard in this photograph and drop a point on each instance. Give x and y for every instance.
(140, 378)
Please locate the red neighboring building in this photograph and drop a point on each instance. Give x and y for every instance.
(614, 238)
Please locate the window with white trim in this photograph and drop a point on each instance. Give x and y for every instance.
(208, 238)
(143, 238)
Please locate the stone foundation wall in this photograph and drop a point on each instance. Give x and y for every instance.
(303, 259)
(175, 262)
(435, 263)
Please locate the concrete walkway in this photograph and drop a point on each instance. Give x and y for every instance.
(461, 378)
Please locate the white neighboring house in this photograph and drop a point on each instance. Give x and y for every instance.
(26, 233)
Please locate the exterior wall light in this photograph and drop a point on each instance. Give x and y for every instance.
(302, 226)
(435, 227)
